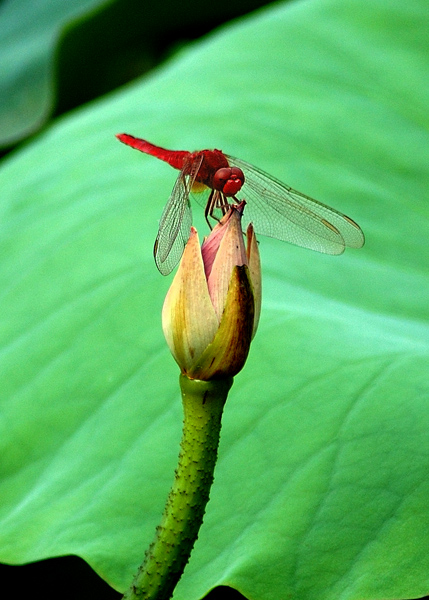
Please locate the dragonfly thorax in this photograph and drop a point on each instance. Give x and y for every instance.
(228, 180)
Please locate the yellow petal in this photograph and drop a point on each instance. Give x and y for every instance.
(188, 318)
(254, 261)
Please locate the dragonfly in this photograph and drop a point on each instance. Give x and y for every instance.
(216, 179)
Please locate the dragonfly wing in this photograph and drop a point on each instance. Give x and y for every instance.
(279, 211)
(176, 220)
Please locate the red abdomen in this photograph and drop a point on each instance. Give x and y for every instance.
(175, 158)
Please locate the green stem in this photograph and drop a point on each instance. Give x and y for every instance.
(203, 403)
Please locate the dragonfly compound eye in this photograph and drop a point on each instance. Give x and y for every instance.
(228, 180)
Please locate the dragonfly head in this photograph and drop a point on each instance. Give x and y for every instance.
(228, 180)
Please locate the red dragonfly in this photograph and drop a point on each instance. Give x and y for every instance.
(274, 208)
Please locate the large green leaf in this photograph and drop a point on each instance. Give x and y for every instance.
(321, 487)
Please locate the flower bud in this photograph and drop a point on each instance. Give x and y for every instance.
(211, 310)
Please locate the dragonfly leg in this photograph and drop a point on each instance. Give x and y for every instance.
(208, 211)
(223, 204)
(216, 201)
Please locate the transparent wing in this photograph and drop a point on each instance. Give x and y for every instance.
(176, 220)
(278, 211)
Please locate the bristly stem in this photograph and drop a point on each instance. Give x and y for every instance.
(166, 558)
